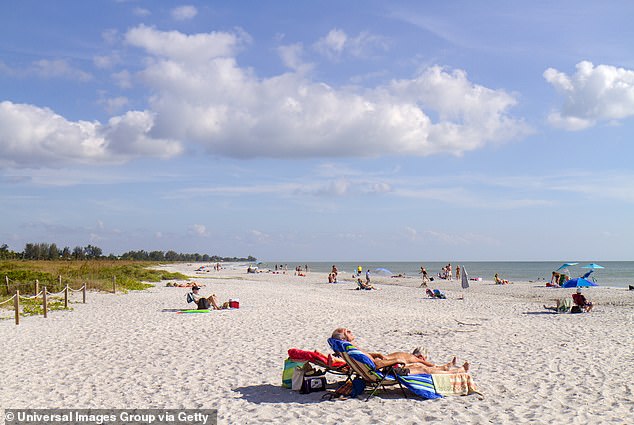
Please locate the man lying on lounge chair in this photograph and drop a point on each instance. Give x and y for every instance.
(415, 362)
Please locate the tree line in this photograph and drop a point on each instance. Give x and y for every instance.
(46, 251)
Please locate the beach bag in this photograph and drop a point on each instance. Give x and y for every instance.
(358, 386)
(287, 373)
(203, 304)
(312, 384)
(298, 378)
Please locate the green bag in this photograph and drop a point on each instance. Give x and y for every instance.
(287, 374)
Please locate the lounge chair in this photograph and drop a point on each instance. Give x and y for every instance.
(421, 385)
(330, 365)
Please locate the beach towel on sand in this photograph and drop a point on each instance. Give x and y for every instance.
(421, 384)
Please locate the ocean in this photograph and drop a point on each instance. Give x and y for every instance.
(615, 274)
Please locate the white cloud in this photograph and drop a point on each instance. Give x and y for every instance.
(141, 12)
(38, 137)
(177, 46)
(291, 56)
(198, 230)
(58, 69)
(183, 13)
(115, 104)
(337, 43)
(202, 95)
(592, 95)
(106, 61)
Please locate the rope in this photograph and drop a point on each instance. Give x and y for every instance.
(30, 298)
(56, 293)
(76, 290)
(6, 301)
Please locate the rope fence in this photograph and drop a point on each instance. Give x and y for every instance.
(45, 294)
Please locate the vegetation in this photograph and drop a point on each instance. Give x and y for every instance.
(97, 274)
(50, 251)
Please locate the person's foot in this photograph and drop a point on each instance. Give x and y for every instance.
(466, 366)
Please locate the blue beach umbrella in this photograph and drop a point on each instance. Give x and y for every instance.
(578, 282)
(565, 266)
(592, 266)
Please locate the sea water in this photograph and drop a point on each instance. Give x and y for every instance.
(616, 273)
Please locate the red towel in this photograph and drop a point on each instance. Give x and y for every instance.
(314, 356)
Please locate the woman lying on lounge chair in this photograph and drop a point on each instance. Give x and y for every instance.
(415, 363)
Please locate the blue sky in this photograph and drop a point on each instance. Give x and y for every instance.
(357, 130)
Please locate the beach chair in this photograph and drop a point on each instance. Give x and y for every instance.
(330, 365)
(364, 367)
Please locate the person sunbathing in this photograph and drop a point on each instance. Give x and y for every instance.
(204, 303)
(500, 281)
(436, 293)
(362, 285)
(415, 362)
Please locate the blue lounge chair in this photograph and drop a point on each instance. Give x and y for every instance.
(421, 385)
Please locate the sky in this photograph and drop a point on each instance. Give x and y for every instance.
(320, 130)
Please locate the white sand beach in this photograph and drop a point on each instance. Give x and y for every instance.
(131, 351)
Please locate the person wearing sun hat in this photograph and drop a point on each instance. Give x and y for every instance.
(581, 301)
(202, 302)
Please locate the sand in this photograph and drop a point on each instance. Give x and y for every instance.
(129, 351)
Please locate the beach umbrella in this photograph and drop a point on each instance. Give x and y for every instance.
(381, 270)
(465, 278)
(578, 282)
(565, 266)
(592, 266)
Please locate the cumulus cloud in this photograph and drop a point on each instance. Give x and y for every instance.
(183, 13)
(200, 95)
(35, 137)
(203, 96)
(592, 95)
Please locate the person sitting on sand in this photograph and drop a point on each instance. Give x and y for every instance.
(415, 362)
(581, 301)
(499, 281)
(204, 303)
(362, 285)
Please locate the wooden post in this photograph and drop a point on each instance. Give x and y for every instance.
(66, 297)
(37, 286)
(84, 293)
(6, 282)
(16, 305)
(114, 284)
(44, 303)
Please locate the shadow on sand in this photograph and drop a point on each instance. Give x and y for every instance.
(267, 393)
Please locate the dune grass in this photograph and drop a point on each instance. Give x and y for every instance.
(98, 275)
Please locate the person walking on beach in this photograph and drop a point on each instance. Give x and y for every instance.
(457, 272)
(367, 277)
(423, 272)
